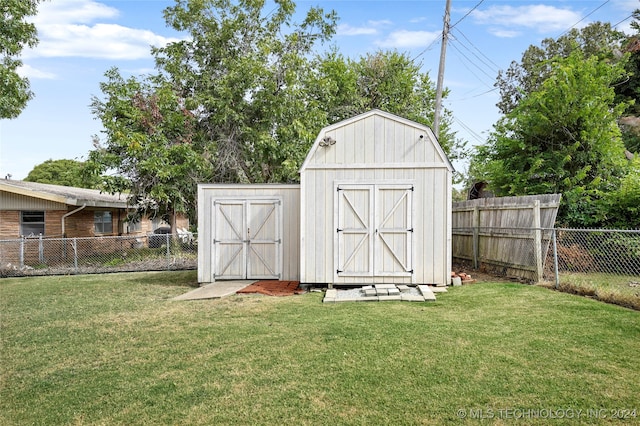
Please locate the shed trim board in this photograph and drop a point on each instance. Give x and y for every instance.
(386, 166)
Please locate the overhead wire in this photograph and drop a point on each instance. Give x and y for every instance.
(439, 36)
(584, 17)
(479, 68)
(625, 19)
(467, 14)
(497, 67)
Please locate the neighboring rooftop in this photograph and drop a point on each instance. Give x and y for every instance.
(64, 194)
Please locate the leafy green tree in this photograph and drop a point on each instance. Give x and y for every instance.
(386, 80)
(562, 137)
(521, 78)
(242, 71)
(62, 172)
(624, 203)
(629, 89)
(152, 150)
(15, 33)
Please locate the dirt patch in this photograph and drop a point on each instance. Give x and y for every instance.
(274, 288)
(478, 275)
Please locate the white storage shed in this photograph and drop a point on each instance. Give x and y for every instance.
(248, 232)
(373, 206)
(375, 193)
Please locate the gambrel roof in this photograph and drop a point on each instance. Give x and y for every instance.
(376, 139)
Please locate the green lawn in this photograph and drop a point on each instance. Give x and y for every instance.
(113, 349)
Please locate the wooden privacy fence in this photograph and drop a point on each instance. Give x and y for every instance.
(507, 235)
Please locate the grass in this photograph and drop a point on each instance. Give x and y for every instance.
(114, 349)
(621, 290)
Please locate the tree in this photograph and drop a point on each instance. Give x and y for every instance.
(629, 89)
(62, 172)
(242, 71)
(562, 137)
(15, 33)
(521, 78)
(385, 80)
(152, 150)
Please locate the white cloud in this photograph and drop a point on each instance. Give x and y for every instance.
(628, 5)
(369, 29)
(77, 28)
(72, 11)
(542, 18)
(502, 33)
(409, 39)
(103, 41)
(32, 73)
(348, 30)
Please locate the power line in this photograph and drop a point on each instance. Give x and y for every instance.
(467, 14)
(497, 68)
(472, 63)
(625, 19)
(429, 46)
(471, 132)
(584, 17)
(439, 36)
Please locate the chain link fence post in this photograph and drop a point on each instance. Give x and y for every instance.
(168, 251)
(21, 258)
(75, 254)
(555, 257)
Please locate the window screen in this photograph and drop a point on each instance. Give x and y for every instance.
(31, 223)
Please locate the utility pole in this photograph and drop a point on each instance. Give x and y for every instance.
(443, 53)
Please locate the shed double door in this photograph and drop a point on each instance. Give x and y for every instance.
(247, 240)
(374, 234)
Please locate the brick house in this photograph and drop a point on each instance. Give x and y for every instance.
(32, 209)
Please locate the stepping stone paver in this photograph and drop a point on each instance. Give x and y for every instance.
(384, 292)
(387, 298)
(427, 293)
(412, 298)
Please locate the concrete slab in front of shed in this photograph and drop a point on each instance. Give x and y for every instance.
(215, 290)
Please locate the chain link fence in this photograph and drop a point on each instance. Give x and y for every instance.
(601, 263)
(60, 256)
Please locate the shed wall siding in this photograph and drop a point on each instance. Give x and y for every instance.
(432, 216)
(290, 195)
(377, 147)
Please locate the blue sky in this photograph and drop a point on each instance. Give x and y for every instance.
(81, 39)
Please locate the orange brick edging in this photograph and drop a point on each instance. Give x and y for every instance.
(274, 288)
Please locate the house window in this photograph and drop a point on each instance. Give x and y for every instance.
(31, 223)
(102, 222)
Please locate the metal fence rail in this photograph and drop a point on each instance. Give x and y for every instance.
(56, 256)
